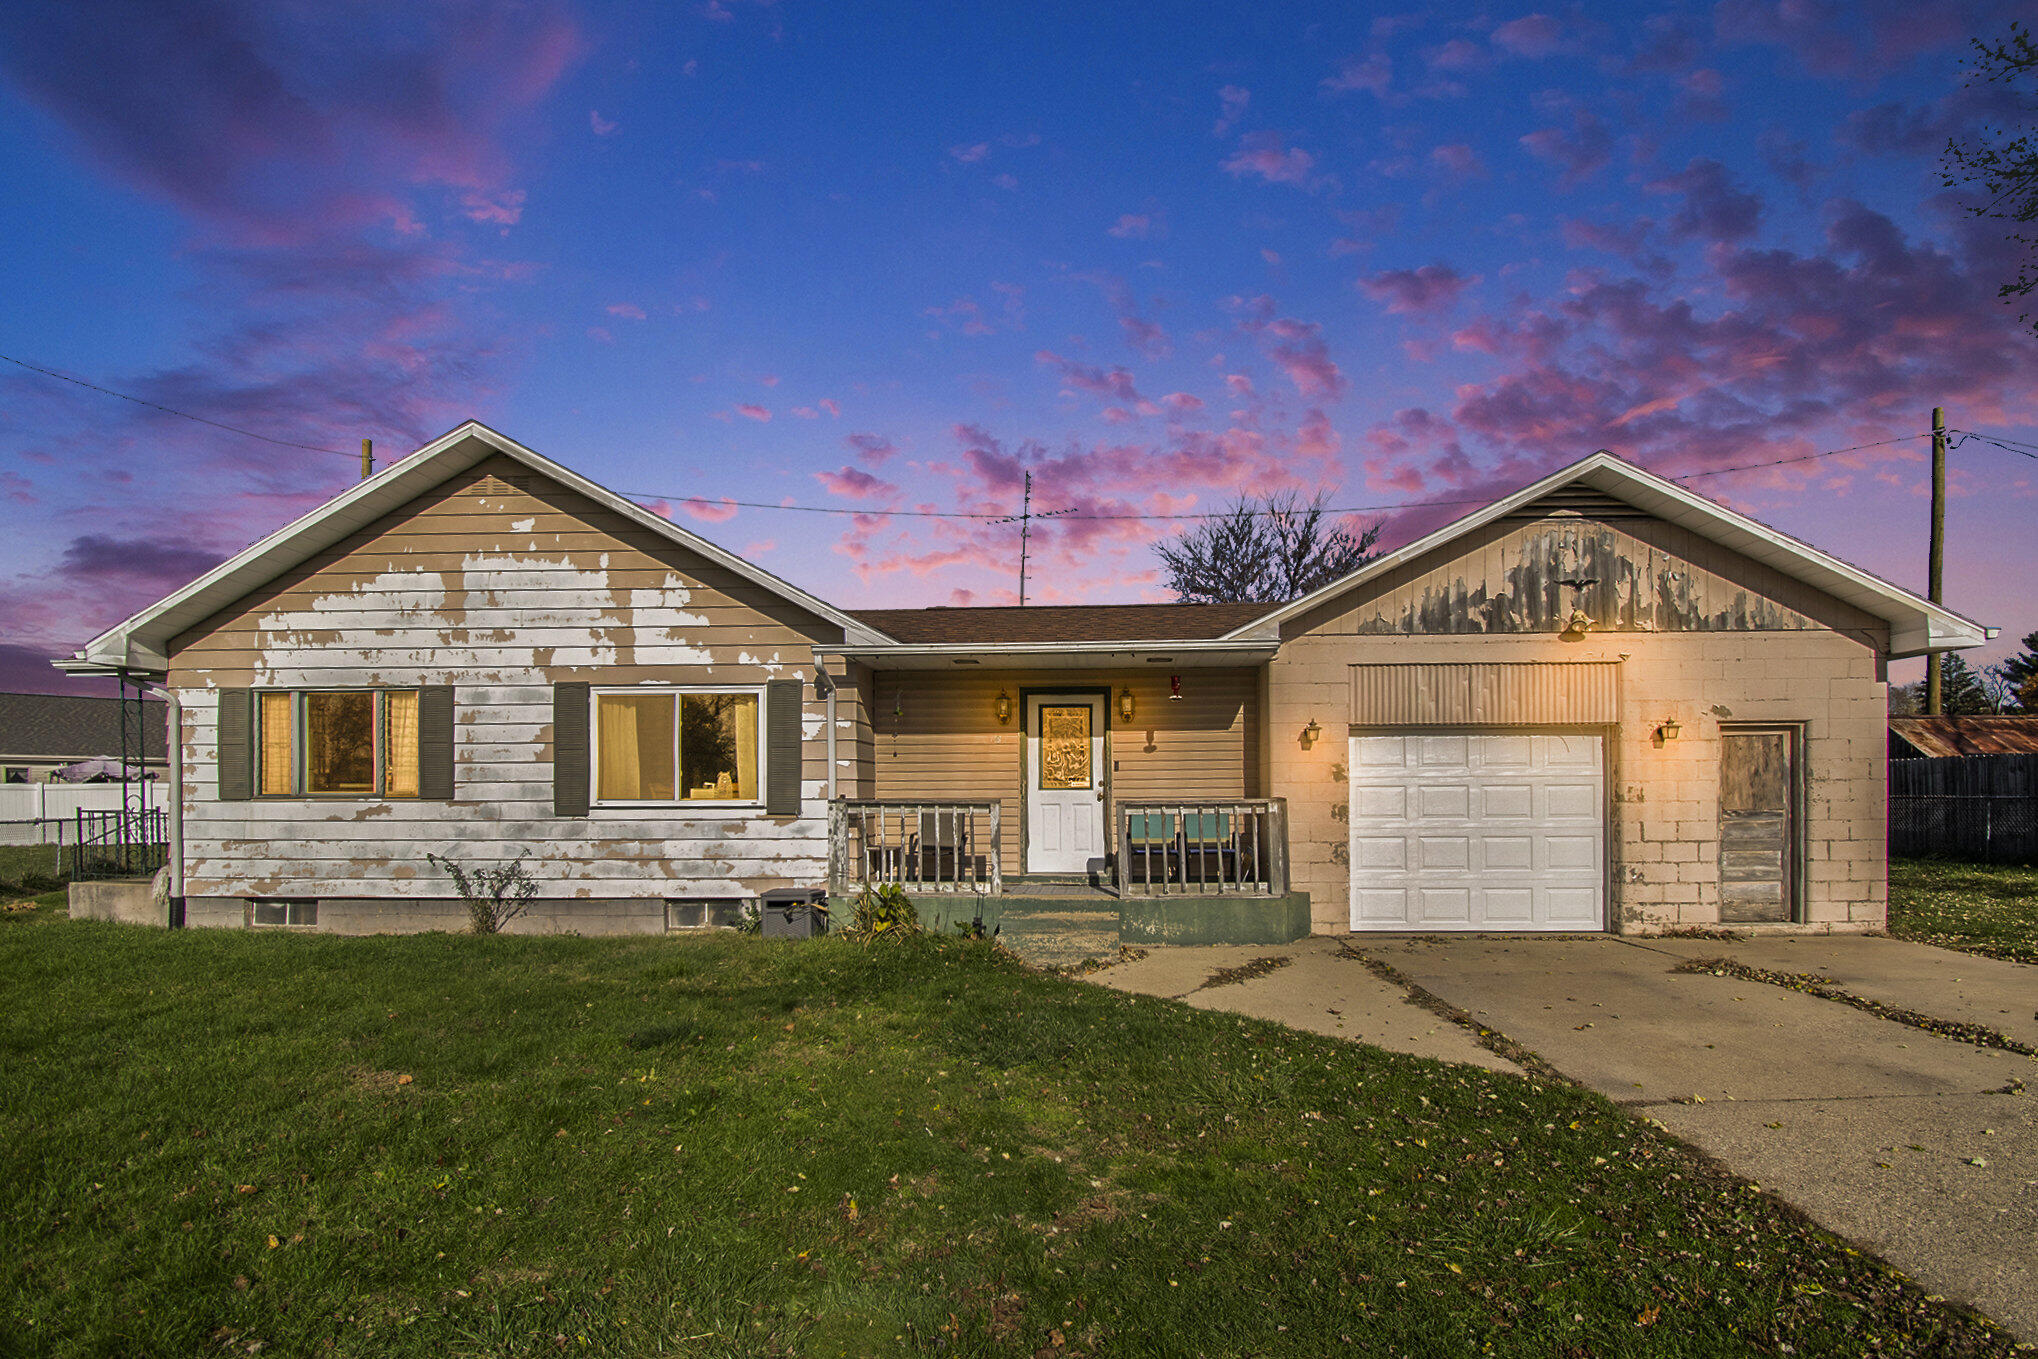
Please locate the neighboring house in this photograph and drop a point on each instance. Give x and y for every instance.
(1914, 738)
(1603, 702)
(42, 733)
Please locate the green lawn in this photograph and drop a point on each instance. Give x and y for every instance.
(726, 1146)
(1983, 908)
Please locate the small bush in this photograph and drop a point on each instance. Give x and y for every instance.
(494, 896)
(882, 912)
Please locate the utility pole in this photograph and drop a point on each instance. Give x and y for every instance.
(1935, 582)
(1024, 519)
(367, 459)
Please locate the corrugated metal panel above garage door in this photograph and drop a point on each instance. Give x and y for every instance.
(1529, 693)
(1479, 831)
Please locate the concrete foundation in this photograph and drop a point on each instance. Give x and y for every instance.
(126, 901)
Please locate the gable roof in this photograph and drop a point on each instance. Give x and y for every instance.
(141, 642)
(1916, 625)
(73, 727)
(1062, 623)
(1941, 736)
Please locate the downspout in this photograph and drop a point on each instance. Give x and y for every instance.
(831, 736)
(173, 748)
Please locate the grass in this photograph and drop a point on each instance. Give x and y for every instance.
(32, 867)
(1982, 908)
(242, 1143)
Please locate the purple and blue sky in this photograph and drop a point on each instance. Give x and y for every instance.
(890, 258)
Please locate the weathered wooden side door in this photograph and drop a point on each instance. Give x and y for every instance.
(1758, 824)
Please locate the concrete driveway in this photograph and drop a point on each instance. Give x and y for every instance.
(1908, 1142)
(1922, 1147)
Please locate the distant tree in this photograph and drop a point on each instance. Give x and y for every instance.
(1961, 689)
(2001, 163)
(1263, 551)
(2021, 670)
(1905, 701)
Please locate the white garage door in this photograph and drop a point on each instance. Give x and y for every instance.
(1478, 832)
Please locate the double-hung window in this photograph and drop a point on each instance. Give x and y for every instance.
(360, 743)
(660, 745)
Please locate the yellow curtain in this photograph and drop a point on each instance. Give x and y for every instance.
(400, 744)
(633, 733)
(743, 716)
(275, 723)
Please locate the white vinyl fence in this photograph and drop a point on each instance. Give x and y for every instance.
(46, 813)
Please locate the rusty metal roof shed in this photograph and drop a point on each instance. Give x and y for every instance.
(1934, 737)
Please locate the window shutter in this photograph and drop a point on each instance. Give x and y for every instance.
(782, 747)
(236, 745)
(569, 749)
(435, 743)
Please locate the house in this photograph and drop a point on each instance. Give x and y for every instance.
(1601, 703)
(42, 733)
(1916, 738)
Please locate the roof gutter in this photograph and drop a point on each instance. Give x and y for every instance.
(1245, 647)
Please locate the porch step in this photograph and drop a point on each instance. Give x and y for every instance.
(1060, 933)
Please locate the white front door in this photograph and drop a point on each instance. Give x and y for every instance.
(1478, 831)
(1064, 783)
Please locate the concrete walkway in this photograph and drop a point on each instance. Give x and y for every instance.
(1890, 1135)
(1317, 990)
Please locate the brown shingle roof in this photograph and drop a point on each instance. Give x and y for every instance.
(1063, 623)
(1942, 736)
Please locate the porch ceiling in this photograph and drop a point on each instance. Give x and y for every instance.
(1057, 655)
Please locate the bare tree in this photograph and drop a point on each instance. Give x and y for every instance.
(2002, 162)
(1264, 551)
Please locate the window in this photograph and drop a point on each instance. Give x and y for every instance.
(296, 913)
(359, 743)
(699, 913)
(676, 745)
(17, 773)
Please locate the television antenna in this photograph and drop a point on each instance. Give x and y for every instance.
(1024, 519)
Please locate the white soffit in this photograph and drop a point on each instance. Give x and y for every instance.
(1916, 624)
(140, 642)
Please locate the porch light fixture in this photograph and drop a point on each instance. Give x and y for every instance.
(1002, 706)
(1126, 706)
(1175, 688)
(1312, 732)
(1667, 730)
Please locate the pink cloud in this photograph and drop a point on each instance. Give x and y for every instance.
(871, 448)
(1458, 160)
(971, 154)
(1182, 403)
(601, 335)
(1581, 152)
(1373, 72)
(1532, 35)
(829, 405)
(1231, 102)
(1296, 347)
(709, 511)
(1132, 227)
(629, 311)
(760, 547)
(602, 126)
(856, 484)
(1714, 209)
(1424, 291)
(1009, 183)
(1114, 382)
(1264, 155)
(750, 412)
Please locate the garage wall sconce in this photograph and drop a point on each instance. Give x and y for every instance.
(1002, 706)
(1667, 731)
(1126, 704)
(1311, 733)
(1175, 687)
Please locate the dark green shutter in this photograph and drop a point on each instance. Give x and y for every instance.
(236, 745)
(782, 747)
(569, 749)
(435, 742)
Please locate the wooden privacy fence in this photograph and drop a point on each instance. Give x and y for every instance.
(1982, 807)
(924, 846)
(1236, 847)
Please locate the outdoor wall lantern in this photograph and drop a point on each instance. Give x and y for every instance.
(1312, 732)
(1667, 731)
(1002, 706)
(1175, 688)
(1126, 706)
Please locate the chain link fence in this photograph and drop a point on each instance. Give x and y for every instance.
(2001, 830)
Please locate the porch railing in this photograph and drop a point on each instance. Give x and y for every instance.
(1237, 847)
(924, 846)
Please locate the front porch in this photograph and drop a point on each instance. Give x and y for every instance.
(1174, 872)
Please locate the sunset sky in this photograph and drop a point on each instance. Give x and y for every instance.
(885, 258)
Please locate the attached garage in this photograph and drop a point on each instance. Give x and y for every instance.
(1478, 831)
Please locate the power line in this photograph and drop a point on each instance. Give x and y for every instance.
(988, 517)
(2006, 444)
(169, 410)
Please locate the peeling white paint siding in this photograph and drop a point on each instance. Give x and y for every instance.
(501, 627)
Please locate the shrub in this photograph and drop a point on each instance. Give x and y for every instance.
(494, 896)
(882, 911)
